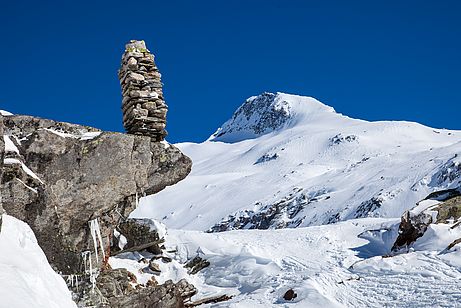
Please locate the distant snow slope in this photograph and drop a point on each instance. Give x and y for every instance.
(26, 278)
(290, 161)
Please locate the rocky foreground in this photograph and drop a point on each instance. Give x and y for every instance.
(75, 186)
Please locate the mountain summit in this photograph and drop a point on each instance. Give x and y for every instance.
(290, 161)
(269, 112)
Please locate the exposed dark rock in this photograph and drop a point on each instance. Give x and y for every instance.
(186, 290)
(281, 214)
(410, 229)
(266, 157)
(196, 265)
(290, 295)
(452, 244)
(339, 138)
(140, 234)
(443, 194)
(77, 178)
(114, 283)
(117, 292)
(413, 227)
(257, 116)
(209, 300)
(166, 259)
(366, 208)
(154, 267)
(448, 175)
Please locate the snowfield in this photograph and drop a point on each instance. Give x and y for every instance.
(26, 278)
(327, 266)
(327, 192)
(311, 165)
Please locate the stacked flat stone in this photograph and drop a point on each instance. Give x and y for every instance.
(144, 109)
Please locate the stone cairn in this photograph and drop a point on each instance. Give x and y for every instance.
(144, 109)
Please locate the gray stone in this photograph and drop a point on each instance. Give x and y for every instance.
(138, 233)
(154, 267)
(196, 265)
(132, 63)
(81, 180)
(117, 292)
(141, 84)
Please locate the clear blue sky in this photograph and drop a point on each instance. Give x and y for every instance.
(375, 60)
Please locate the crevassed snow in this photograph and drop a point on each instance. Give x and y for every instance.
(377, 169)
(26, 278)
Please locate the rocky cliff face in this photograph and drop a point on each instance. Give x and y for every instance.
(65, 176)
(74, 185)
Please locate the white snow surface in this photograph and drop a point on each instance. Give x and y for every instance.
(9, 145)
(326, 166)
(5, 113)
(83, 135)
(26, 278)
(327, 266)
(340, 185)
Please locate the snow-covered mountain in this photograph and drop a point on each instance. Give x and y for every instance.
(351, 213)
(344, 194)
(290, 161)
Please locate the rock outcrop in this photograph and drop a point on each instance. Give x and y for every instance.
(75, 186)
(119, 293)
(441, 207)
(143, 105)
(70, 176)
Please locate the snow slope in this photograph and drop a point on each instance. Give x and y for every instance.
(335, 188)
(26, 278)
(290, 161)
(336, 265)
